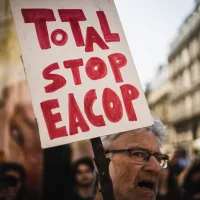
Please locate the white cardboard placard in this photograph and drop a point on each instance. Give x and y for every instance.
(80, 71)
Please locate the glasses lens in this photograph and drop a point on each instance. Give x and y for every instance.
(139, 156)
(165, 164)
(163, 160)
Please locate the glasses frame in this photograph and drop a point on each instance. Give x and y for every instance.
(166, 157)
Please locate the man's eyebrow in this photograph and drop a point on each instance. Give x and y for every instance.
(144, 149)
(31, 123)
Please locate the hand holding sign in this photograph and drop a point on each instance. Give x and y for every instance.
(80, 71)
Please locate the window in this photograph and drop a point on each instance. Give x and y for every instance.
(188, 105)
(185, 57)
(186, 79)
(195, 72)
(196, 102)
(194, 48)
(176, 85)
(177, 63)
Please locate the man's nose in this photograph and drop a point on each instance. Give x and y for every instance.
(152, 165)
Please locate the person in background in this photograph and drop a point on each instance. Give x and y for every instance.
(47, 171)
(168, 187)
(191, 184)
(136, 161)
(21, 142)
(12, 178)
(85, 180)
(179, 161)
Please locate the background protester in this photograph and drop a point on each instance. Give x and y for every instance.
(21, 137)
(47, 171)
(85, 180)
(168, 187)
(179, 161)
(191, 183)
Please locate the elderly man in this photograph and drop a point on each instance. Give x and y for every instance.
(136, 162)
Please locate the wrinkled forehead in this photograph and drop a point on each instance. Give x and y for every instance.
(25, 113)
(18, 92)
(141, 138)
(22, 110)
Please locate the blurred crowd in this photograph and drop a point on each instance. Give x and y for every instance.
(181, 180)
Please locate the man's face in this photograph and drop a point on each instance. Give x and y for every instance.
(84, 176)
(24, 144)
(132, 181)
(21, 137)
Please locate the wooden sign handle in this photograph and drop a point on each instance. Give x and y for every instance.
(102, 164)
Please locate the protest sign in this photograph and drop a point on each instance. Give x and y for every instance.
(81, 74)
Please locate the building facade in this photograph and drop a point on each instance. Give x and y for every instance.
(184, 75)
(158, 97)
(174, 94)
(159, 93)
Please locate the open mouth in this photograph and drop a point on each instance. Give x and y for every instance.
(147, 185)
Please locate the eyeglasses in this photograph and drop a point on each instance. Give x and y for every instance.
(141, 157)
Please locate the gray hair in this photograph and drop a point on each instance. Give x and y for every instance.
(158, 129)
